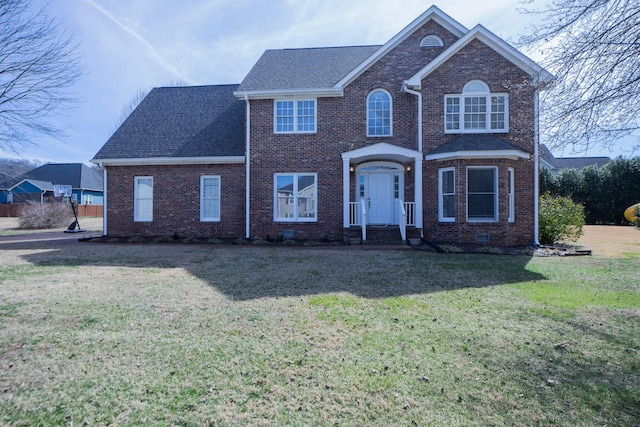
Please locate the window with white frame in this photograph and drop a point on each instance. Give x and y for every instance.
(482, 193)
(87, 199)
(295, 197)
(143, 198)
(209, 198)
(295, 116)
(379, 113)
(511, 202)
(476, 110)
(446, 195)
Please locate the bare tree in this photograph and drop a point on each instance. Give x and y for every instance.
(137, 98)
(38, 65)
(593, 48)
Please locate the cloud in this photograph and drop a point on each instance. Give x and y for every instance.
(152, 53)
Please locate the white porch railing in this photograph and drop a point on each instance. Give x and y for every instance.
(403, 221)
(410, 209)
(358, 216)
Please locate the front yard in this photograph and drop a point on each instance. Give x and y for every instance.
(104, 334)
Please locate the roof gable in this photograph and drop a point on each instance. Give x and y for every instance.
(539, 74)
(433, 13)
(188, 122)
(327, 71)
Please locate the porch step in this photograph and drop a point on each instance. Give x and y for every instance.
(383, 235)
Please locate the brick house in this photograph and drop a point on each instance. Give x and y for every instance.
(432, 134)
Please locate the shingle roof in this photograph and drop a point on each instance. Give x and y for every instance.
(474, 143)
(77, 175)
(579, 162)
(571, 162)
(311, 68)
(189, 121)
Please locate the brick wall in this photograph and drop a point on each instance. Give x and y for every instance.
(176, 201)
(341, 127)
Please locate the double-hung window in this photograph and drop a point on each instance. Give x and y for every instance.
(446, 195)
(295, 197)
(482, 194)
(295, 116)
(379, 113)
(209, 198)
(476, 110)
(143, 198)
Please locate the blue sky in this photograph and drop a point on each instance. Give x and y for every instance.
(132, 45)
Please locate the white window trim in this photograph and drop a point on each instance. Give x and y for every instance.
(295, 115)
(495, 195)
(511, 200)
(136, 216)
(461, 97)
(87, 199)
(390, 114)
(441, 194)
(295, 218)
(202, 217)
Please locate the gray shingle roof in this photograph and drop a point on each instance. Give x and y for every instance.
(311, 68)
(474, 143)
(77, 175)
(571, 162)
(189, 121)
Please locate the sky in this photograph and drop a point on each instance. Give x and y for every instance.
(128, 46)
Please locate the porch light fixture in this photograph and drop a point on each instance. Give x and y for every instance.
(409, 168)
(351, 169)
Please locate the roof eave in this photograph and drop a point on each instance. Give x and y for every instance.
(480, 154)
(164, 161)
(278, 93)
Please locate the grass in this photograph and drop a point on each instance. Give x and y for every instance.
(239, 335)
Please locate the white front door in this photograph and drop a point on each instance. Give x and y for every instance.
(380, 198)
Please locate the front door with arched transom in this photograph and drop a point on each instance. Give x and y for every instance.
(380, 185)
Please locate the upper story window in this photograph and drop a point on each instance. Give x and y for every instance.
(295, 116)
(379, 113)
(476, 110)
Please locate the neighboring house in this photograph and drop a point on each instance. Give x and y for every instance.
(38, 184)
(557, 164)
(432, 133)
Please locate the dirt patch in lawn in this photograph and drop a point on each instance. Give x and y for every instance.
(611, 241)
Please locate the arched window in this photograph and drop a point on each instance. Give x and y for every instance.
(476, 110)
(379, 113)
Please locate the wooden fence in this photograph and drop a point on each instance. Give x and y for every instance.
(82, 210)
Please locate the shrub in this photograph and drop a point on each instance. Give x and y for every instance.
(162, 239)
(560, 219)
(45, 215)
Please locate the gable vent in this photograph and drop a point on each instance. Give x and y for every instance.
(431, 41)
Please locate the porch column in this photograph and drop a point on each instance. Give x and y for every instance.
(345, 193)
(418, 191)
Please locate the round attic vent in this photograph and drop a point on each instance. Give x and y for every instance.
(431, 41)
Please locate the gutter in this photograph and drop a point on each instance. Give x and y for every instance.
(247, 160)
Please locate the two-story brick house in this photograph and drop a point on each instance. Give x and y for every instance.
(433, 133)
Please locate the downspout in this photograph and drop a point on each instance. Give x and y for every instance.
(247, 168)
(419, 95)
(536, 161)
(418, 168)
(104, 199)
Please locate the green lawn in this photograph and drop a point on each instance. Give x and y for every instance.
(108, 334)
